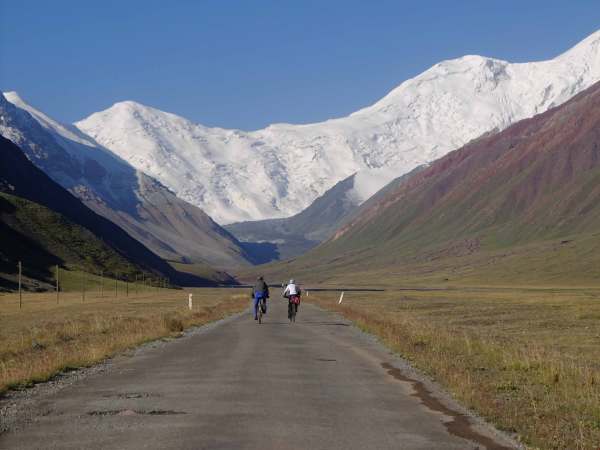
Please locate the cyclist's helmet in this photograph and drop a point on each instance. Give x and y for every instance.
(292, 281)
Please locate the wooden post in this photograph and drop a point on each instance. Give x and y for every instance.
(126, 286)
(101, 283)
(136, 284)
(57, 285)
(20, 293)
(83, 288)
(116, 286)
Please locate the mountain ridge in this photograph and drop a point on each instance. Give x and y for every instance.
(279, 170)
(516, 206)
(141, 205)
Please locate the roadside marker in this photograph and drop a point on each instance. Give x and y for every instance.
(190, 302)
(341, 298)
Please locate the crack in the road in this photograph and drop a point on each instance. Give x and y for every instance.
(131, 395)
(459, 426)
(134, 412)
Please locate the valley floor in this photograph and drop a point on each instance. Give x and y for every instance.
(43, 338)
(526, 359)
(318, 383)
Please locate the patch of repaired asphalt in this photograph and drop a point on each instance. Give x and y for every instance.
(460, 425)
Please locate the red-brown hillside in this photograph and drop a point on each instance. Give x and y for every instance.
(534, 184)
(538, 177)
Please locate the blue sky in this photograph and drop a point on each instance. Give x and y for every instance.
(245, 64)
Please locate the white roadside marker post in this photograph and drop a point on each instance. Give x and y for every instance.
(341, 298)
(190, 302)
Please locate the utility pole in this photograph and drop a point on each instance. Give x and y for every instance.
(83, 288)
(20, 293)
(57, 285)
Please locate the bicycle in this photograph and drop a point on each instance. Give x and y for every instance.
(293, 302)
(261, 307)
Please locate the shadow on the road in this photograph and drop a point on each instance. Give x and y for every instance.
(339, 324)
(275, 323)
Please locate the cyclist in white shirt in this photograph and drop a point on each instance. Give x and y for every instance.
(292, 293)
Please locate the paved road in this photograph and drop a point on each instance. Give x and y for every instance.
(317, 384)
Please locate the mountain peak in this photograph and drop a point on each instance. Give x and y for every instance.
(129, 104)
(14, 98)
(128, 107)
(129, 110)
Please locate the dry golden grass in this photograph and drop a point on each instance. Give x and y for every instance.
(44, 338)
(527, 360)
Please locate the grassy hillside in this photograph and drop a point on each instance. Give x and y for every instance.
(20, 178)
(202, 271)
(42, 238)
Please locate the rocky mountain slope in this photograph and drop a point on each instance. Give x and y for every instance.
(139, 204)
(279, 171)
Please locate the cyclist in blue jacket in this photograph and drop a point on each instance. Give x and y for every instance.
(260, 292)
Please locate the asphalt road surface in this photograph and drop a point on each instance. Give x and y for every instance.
(316, 384)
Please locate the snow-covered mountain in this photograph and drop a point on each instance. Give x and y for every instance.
(142, 206)
(284, 238)
(278, 171)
